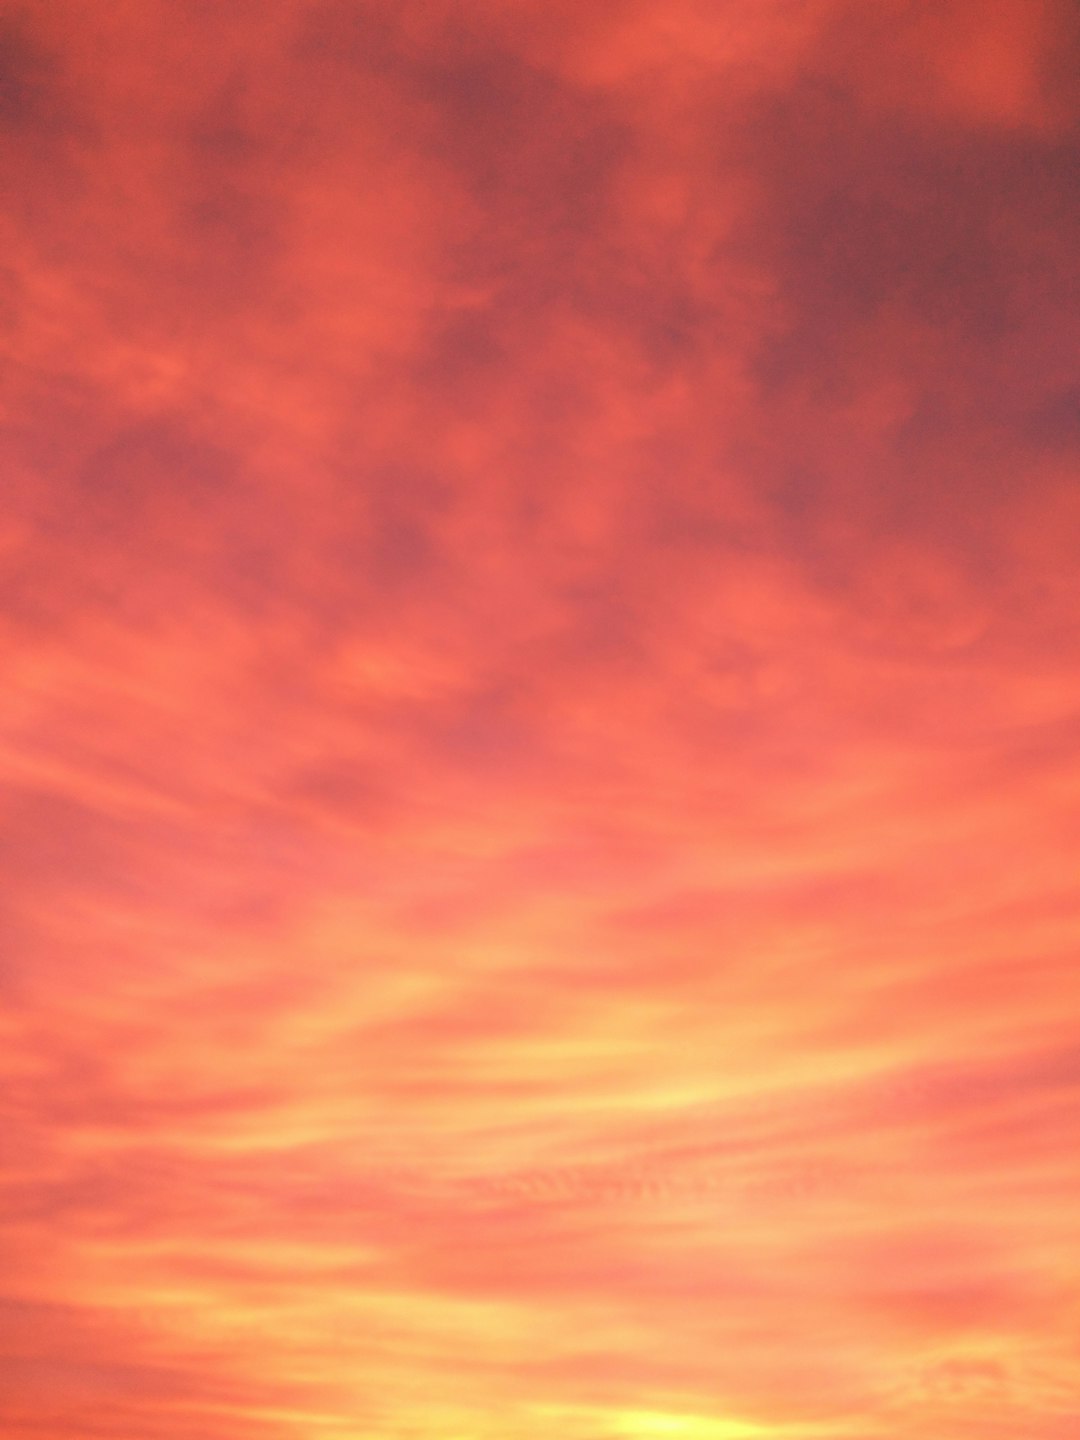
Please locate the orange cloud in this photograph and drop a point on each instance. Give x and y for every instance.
(538, 747)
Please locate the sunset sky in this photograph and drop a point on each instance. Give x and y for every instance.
(540, 720)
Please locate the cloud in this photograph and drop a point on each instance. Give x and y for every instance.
(537, 752)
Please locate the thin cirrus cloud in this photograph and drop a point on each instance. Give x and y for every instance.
(539, 723)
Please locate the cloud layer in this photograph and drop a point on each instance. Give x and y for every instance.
(539, 735)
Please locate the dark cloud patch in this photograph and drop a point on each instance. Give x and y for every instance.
(31, 91)
(923, 274)
(671, 324)
(867, 214)
(1059, 66)
(386, 541)
(1055, 423)
(149, 473)
(408, 506)
(231, 216)
(534, 157)
(145, 504)
(51, 842)
(347, 34)
(483, 731)
(890, 238)
(467, 357)
(604, 625)
(119, 508)
(538, 156)
(343, 788)
(47, 131)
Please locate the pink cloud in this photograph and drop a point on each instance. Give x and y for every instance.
(537, 772)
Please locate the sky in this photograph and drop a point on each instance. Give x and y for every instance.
(540, 720)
